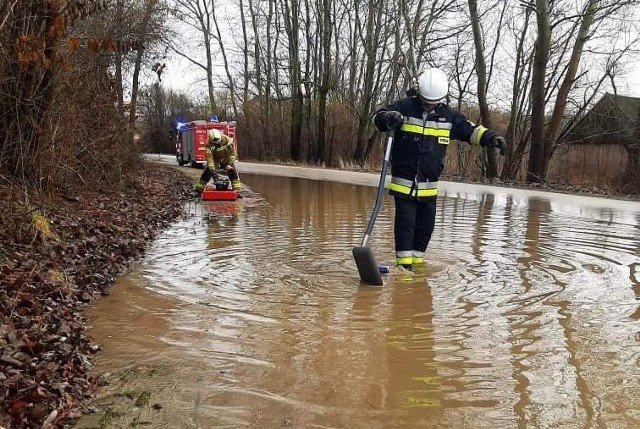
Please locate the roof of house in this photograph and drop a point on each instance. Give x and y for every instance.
(628, 105)
(613, 119)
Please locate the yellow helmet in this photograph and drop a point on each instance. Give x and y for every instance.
(214, 135)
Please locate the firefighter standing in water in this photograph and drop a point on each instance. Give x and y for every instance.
(220, 152)
(422, 126)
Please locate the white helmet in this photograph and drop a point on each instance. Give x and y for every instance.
(214, 135)
(433, 85)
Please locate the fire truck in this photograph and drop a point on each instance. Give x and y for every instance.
(191, 138)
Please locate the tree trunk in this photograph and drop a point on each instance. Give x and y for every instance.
(209, 70)
(555, 123)
(371, 41)
(321, 155)
(269, 66)
(262, 120)
(135, 83)
(542, 46)
(521, 73)
(245, 52)
(481, 72)
(118, 64)
(292, 29)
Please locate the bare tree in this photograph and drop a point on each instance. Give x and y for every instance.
(543, 45)
(260, 56)
(196, 15)
(147, 28)
(325, 77)
(484, 76)
(291, 16)
(245, 50)
(225, 61)
(372, 39)
(582, 26)
(463, 67)
(517, 135)
(157, 118)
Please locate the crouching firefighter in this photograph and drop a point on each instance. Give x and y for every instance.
(423, 125)
(220, 153)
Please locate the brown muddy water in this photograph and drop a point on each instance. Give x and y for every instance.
(526, 315)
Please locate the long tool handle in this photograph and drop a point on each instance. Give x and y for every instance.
(378, 204)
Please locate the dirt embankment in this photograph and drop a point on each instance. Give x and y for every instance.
(57, 254)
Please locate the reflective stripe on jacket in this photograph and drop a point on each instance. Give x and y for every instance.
(420, 144)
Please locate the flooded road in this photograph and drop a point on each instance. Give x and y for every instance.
(526, 315)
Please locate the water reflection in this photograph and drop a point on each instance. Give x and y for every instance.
(526, 315)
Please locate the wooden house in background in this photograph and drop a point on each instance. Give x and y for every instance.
(595, 150)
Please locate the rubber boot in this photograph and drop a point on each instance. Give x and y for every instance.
(199, 187)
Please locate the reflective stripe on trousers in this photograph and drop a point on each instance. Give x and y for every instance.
(407, 187)
(413, 226)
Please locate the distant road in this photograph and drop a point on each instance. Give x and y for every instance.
(453, 189)
(366, 179)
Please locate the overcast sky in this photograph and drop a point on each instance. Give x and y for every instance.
(181, 75)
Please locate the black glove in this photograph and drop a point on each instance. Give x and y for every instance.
(392, 119)
(500, 143)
